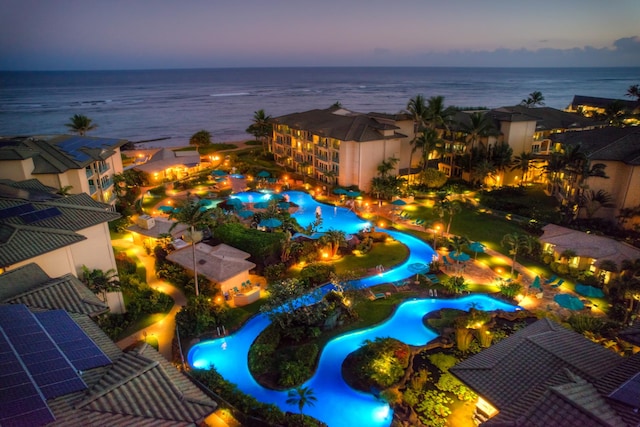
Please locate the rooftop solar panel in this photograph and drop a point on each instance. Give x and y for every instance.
(629, 392)
(16, 210)
(18, 322)
(21, 403)
(39, 215)
(75, 344)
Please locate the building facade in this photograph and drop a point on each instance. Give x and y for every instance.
(77, 164)
(338, 146)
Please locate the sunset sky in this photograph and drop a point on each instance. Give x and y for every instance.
(137, 34)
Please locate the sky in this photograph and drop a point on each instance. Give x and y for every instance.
(149, 34)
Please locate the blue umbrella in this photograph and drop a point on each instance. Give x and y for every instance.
(263, 174)
(261, 205)
(165, 209)
(569, 301)
(340, 191)
(476, 247)
(399, 202)
(352, 193)
(536, 283)
(284, 205)
(218, 172)
(270, 223)
(245, 213)
(460, 256)
(589, 291)
(234, 203)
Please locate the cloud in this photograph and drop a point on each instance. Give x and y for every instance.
(628, 44)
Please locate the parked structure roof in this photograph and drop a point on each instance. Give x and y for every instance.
(611, 143)
(340, 124)
(547, 375)
(218, 263)
(31, 286)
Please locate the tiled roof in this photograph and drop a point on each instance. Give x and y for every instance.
(339, 124)
(59, 153)
(593, 101)
(546, 118)
(588, 245)
(217, 267)
(161, 226)
(30, 285)
(20, 241)
(616, 377)
(140, 387)
(610, 143)
(516, 373)
(631, 334)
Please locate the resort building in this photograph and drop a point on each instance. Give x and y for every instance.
(592, 106)
(71, 163)
(223, 265)
(168, 165)
(148, 230)
(546, 375)
(618, 151)
(523, 129)
(589, 252)
(338, 146)
(60, 234)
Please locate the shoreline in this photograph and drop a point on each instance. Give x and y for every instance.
(149, 144)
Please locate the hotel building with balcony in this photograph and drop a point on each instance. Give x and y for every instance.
(82, 163)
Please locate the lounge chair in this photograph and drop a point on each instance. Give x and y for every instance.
(557, 285)
(376, 296)
(433, 278)
(400, 286)
(418, 221)
(551, 279)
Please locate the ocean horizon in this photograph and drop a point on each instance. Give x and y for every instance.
(169, 105)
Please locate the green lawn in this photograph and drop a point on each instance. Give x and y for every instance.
(387, 254)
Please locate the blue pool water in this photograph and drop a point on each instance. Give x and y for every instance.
(338, 404)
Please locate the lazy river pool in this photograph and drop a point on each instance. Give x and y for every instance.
(337, 404)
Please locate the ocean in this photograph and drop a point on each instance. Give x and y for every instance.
(168, 106)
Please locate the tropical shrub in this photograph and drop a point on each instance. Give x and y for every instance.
(434, 409)
(510, 290)
(379, 363)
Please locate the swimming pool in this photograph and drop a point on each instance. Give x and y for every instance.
(338, 404)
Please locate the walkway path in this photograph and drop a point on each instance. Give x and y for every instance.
(162, 330)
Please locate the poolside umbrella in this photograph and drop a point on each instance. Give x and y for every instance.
(340, 191)
(418, 268)
(270, 223)
(220, 179)
(245, 213)
(165, 209)
(589, 291)
(352, 193)
(536, 283)
(263, 174)
(460, 256)
(569, 301)
(476, 247)
(284, 205)
(218, 172)
(261, 205)
(399, 202)
(234, 203)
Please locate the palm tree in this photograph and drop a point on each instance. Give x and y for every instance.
(335, 239)
(516, 243)
(478, 127)
(555, 165)
(535, 98)
(633, 92)
(301, 396)
(428, 142)
(387, 166)
(81, 124)
(501, 157)
(482, 169)
(523, 162)
(261, 128)
(100, 281)
(447, 207)
(190, 212)
(437, 115)
(202, 138)
(417, 109)
(591, 201)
